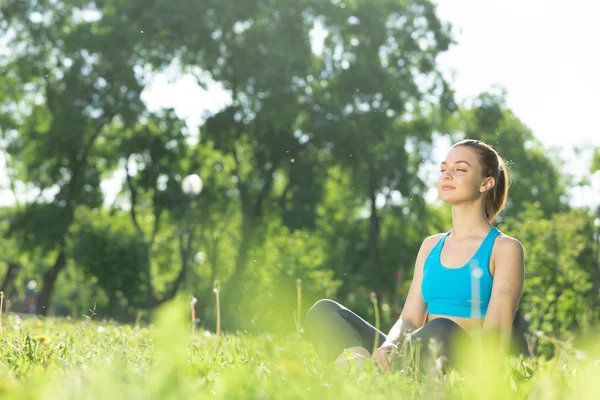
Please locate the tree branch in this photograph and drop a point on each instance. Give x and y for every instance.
(133, 192)
(184, 247)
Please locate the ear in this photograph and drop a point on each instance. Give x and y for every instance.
(487, 184)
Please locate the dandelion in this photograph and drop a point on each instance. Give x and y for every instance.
(42, 339)
(193, 302)
(299, 302)
(1, 307)
(216, 292)
(373, 297)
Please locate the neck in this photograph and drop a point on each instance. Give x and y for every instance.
(469, 220)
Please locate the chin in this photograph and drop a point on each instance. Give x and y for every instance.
(450, 198)
(445, 197)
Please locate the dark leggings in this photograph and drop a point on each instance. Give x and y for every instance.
(331, 328)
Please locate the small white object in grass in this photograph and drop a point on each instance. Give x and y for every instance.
(101, 329)
(200, 258)
(207, 334)
(31, 285)
(192, 185)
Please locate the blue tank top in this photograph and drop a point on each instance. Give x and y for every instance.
(459, 292)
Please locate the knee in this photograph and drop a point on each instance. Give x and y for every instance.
(443, 329)
(322, 308)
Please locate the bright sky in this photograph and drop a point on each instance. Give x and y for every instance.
(541, 51)
(545, 53)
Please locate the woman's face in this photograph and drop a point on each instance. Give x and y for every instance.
(461, 177)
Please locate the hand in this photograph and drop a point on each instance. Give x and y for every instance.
(381, 356)
(356, 355)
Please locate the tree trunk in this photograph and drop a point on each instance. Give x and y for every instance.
(234, 283)
(595, 272)
(9, 278)
(374, 228)
(232, 295)
(45, 296)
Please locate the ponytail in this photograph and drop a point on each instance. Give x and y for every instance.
(496, 200)
(493, 166)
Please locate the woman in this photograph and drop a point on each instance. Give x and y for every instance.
(465, 280)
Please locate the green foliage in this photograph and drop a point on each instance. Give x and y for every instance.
(286, 257)
(596, 161)
(57, 358)
(37, 226)
(558, 299)
(109, 249)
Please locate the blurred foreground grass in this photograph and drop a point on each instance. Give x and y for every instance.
(62, 359)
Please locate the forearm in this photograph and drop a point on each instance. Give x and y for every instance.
(398, 331)
(498, 337)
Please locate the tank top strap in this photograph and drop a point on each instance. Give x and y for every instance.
(484, 253)
(440, 243)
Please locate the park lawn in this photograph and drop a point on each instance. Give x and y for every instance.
(87, 359)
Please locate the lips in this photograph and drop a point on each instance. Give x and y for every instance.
(448, 187)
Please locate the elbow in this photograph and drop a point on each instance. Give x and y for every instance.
(412, 324)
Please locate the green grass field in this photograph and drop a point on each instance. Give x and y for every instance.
(87, 359)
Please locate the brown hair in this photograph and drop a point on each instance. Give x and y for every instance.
(493, 165)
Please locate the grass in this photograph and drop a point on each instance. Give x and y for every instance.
(65, 359)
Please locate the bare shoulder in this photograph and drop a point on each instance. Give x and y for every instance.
(508, 254)
(426, 247)
(507, 245)
(509, 266)
(429, 242)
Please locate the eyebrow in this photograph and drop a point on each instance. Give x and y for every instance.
(457, 162)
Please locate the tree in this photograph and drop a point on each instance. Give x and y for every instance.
(366, 106)
(85, 69)
(110, 250)
(285, 103)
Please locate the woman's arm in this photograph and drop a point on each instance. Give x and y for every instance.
(414, 312)
(509, 275)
